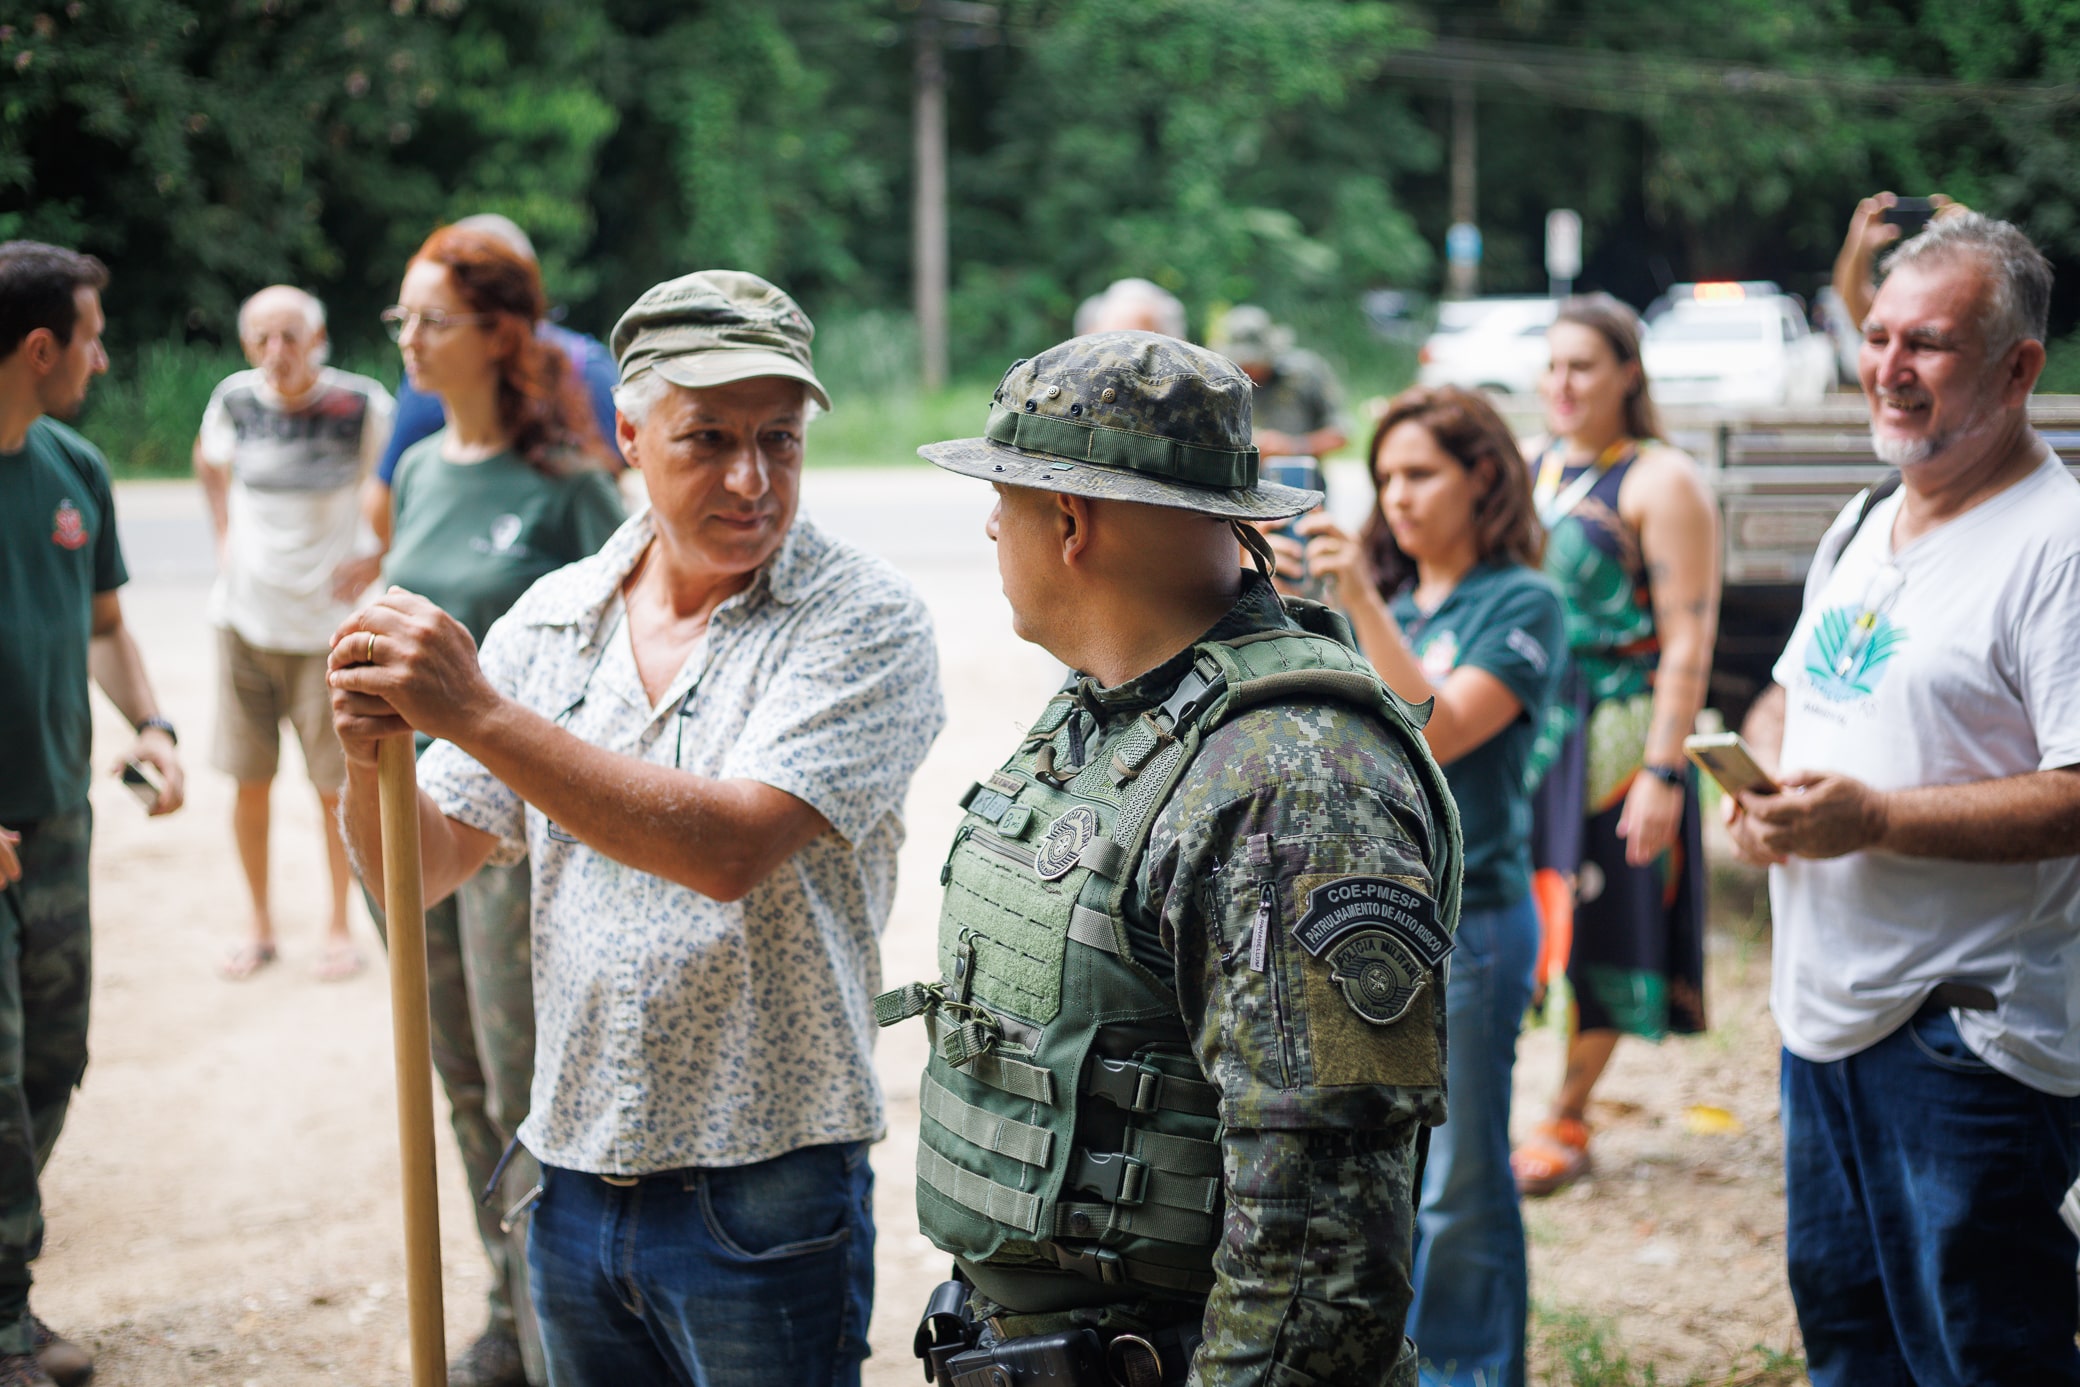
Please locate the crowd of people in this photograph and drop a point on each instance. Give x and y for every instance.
(1267, 881)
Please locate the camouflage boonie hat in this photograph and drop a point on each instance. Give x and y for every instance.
(1248, 337)
(715, 327)
(1127, 416)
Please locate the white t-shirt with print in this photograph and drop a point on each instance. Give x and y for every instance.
(1965, 667)
(294, 504)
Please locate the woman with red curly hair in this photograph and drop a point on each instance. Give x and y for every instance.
(513, 488)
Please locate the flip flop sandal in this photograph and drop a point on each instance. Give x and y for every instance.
(340, 962)
(1555, 1157)
(244, 960)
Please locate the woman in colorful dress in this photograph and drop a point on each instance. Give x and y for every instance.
(1633, 543)
(513, 487)
(1443, 592)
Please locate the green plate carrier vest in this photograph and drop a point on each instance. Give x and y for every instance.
(1068, 1151)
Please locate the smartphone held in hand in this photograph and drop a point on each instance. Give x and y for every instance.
(143, 781)
(1306, 474)
(1726, 758)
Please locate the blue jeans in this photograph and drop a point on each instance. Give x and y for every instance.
(737, 1276)
(1921, 1188)
(1472, 1287)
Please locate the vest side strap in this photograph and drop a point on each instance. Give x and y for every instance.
(1093, 927)
(1022, 1142)
(995, 1202)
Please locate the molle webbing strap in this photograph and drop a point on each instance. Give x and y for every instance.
(1110, 447)
(902, 1003)
(1102, 856)
(1093, 927)
(1021, 1141)
(995, 1202)
(1178, 1155)
(1015, 1077)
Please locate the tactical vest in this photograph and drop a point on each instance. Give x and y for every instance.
(1068, 1152)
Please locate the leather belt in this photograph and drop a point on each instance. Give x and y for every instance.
(1957, 996)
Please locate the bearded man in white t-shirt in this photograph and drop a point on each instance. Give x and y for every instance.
(1925, 854)
(281, 456)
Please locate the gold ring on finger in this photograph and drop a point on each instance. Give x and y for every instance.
(369, 657)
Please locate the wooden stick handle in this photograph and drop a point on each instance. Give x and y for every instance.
(404, 908)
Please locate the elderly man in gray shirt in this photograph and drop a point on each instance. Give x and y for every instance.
(702, 736)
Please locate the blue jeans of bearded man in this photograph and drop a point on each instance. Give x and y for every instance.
(1472, 1286)
(1921, 1191)
(480, 987)
(46, 975)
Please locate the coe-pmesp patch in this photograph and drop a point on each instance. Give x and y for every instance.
(1380, 939)
(1066, 839)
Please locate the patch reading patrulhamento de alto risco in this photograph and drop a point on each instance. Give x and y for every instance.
(1380, 939)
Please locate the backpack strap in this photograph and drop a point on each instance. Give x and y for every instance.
(1863, 512)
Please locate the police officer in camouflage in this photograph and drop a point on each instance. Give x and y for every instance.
(1189, 1022)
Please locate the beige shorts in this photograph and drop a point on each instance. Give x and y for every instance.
(256, 690)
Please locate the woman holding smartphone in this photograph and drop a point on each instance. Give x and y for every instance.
(513, 487)
(1633, 543)
(1443, 591)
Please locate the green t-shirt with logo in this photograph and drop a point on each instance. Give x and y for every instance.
(1507, 620)
(57, 550)
(471, 537)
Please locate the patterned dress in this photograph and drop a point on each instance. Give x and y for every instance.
(1637, 960)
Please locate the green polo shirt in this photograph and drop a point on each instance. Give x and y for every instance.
(57, 550)
(471, 537)
(1507, 620)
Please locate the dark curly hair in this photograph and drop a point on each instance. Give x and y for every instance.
(1466, 426)
(541, 400)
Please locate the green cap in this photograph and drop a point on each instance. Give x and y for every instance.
(1127, 416)
(715, 327)
(1248, 337)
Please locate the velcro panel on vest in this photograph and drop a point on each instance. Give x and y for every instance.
(1021, 1141)
(1018, 918)
(995, 1202)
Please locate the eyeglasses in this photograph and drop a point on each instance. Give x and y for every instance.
(398, 320)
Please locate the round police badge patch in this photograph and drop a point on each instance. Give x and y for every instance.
(1380, 976)
(1065, 842)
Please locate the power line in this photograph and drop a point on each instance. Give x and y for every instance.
(1606, 80)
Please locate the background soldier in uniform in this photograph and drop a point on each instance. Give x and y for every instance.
(1189, 1025)
(1299, 402)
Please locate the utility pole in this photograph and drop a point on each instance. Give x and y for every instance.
(1463, 245)
(928, 215)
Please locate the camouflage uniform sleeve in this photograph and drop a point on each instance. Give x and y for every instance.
(1320, 1102)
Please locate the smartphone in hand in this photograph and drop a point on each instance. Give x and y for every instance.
(1726, 758)
(1305, 473)
(1909, 214)
(143, 782)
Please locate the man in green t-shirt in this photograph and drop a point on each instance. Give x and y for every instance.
(60, 567)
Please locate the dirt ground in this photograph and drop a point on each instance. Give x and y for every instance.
(223, 1207)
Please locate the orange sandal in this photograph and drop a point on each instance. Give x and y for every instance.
(1555, 1157)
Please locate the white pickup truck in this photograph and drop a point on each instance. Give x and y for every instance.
(1732, 344)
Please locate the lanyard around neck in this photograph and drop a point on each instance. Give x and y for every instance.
(1553, 504)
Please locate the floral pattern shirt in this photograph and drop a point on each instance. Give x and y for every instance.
(673, 1029)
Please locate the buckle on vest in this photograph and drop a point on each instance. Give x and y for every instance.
(1113, 1176)
(1102, 1264)
(1136, 1087)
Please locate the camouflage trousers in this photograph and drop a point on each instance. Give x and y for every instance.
(46, 974)
(480, 985)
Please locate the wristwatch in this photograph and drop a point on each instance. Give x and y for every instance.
(1671, 776)
(163, 725)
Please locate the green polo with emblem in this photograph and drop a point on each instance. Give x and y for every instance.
(58, 549)
(471, 537)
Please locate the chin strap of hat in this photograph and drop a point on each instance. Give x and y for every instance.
(1258, 546)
